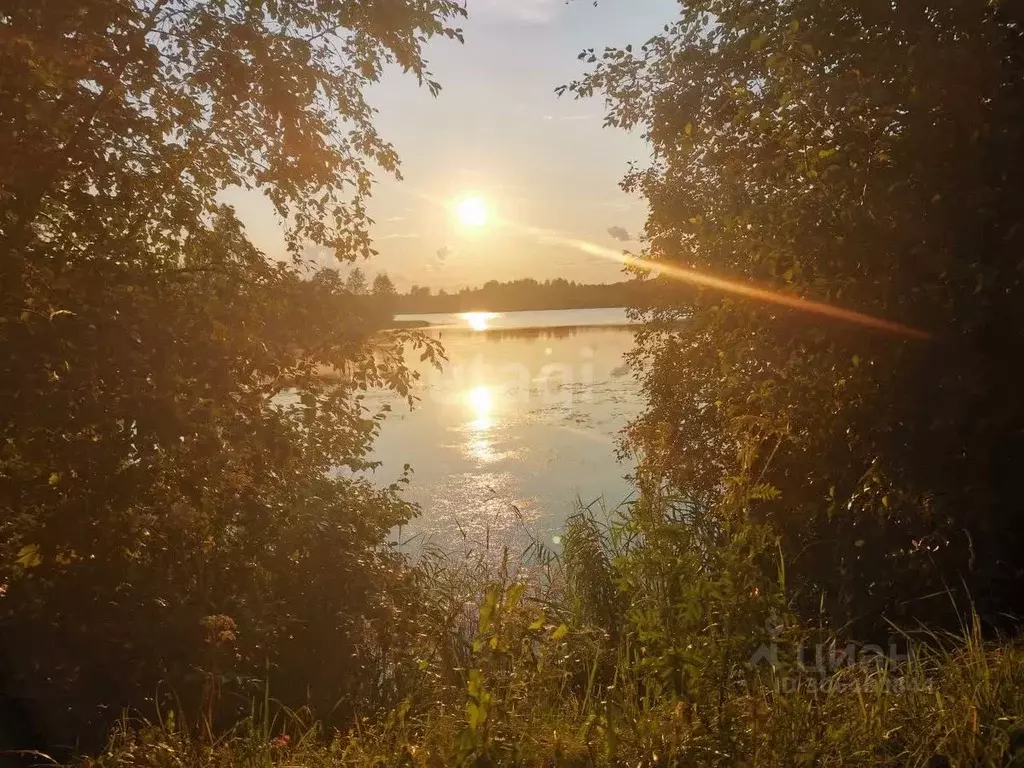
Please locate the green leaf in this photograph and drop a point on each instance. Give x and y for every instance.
(757, 43)
(475, 715)
(28, 556)
(475, 683)
(560, 633)
(514, 595)
(488, 609)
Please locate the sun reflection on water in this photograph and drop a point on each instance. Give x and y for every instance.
(482, 450)
(481, 404)
(478, 321)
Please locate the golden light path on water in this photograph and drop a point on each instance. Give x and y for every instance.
(481, 403)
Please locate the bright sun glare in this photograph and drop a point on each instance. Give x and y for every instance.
(480, 400)
(481, 403)
(478, 321)
(472, 212)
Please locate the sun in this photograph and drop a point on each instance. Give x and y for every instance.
(472, 212)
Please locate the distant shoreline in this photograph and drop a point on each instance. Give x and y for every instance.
(499, 309)
(422, 325)
(406, 325)
(454, 321)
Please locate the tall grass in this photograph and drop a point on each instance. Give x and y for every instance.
(652, 639)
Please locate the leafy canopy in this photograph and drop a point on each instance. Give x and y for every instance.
(869, 155)
(183, 495)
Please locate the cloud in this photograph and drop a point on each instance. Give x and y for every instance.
(531, 11)
(444, 253)
(620, 234)
(569, 118)
(399, 236)
(621, 205)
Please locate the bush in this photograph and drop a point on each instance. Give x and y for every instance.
(823, 160)
(679, 681)
(183, 507)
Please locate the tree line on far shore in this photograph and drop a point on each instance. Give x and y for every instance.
(494, 296)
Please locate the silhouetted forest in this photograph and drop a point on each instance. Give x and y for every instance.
(524, 294)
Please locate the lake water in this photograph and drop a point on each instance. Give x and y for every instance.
(521, 423)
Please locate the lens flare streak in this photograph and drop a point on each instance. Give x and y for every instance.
(735, 287)
(703, 280)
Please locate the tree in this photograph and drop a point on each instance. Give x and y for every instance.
(383, 287)
(169, 515)
(870, 156)
(384, 298)
(356, 282)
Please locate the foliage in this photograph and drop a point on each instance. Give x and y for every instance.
(534, 683)
(355, 283)
(184, 500)
(868, 155)
(187, 517)
(382, 285)
(383, 295)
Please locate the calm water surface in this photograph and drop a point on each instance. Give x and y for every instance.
(522, 420)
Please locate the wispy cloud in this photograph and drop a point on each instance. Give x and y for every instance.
(531, 11)
(400, 236)
(569, 118)
(621, 205)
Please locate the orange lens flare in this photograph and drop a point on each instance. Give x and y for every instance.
(734, 287)
(737, 288)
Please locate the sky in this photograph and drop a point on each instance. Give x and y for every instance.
(498, 133)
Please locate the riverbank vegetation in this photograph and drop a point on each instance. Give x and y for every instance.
(823, 561)
(653, 640)
(169, 520)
